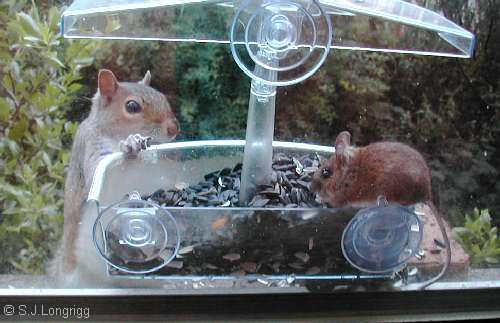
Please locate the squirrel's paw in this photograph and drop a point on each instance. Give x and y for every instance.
(134, 144)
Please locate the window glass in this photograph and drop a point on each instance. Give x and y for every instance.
(121, 159)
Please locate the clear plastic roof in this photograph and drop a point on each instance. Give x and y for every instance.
(375, 25)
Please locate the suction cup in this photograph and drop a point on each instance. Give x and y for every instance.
(289, 37)
(136, 236)
(382, 238)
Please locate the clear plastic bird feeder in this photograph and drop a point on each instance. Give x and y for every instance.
(276, 43)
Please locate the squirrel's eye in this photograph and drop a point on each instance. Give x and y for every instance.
(132, 107)
(325, 173)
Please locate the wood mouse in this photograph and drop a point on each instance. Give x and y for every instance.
(124, 117)
(356, 176)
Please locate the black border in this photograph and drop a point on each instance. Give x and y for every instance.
(431, 304)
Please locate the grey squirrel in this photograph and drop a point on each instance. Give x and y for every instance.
(124, 117)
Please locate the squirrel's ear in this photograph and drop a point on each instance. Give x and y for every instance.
(107, 82)
(342, 144)
(147, 79)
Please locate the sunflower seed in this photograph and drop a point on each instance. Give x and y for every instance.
(238, 167)
(298, 166)
(219, 181)
(196, 188)
(303, 184)
(284, 167)
(271, 193)
(201, 198)
(310, 170)
(225, 172)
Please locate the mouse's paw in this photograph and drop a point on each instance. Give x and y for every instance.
(134, 144)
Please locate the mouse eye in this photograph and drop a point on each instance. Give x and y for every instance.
(133, 107)
(325, 173)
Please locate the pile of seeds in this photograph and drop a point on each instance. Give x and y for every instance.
(289, 187)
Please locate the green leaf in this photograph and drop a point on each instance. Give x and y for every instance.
(492, 260)
(33, 39)
(52, 58)
(479, 238)
(53, 19)
(461, 230)
(19, 129)
(485, 216)
(46, 159)
(4, 110)
(29, 26)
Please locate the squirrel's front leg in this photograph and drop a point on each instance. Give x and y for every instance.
(134, 144)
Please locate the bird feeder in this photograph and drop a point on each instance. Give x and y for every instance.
(276, 43)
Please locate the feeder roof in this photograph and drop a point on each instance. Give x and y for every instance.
(374, 25)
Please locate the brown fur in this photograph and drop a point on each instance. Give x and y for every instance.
(360, 175)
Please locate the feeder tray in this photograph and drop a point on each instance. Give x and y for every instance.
(275, 43)
(228, 243)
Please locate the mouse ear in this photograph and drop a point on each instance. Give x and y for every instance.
(342, 144)
(147, 79)
(107, 83)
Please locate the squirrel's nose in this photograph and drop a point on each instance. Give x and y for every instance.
(173, 127)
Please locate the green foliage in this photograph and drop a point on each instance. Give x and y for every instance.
(39, 77)
(480, 238)
(213, 96)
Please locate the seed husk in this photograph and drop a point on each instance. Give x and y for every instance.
(177, 264)
(232, 256)
(186, 250)
(296, 265)
(439, 243)
(313, 271)
(259, 202)
(210, 266)
(304, 257)
(221, 222)
(249, 266)
(181, 186)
